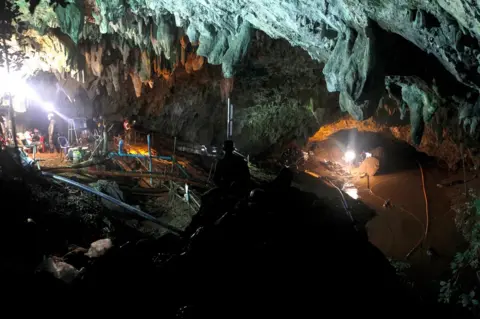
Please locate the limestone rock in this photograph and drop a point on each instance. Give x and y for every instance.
(369, 166)
(59, 269)
(99, 248)
(354, 70)
(421, 100)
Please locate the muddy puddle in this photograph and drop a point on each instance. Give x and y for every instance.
(398, 198)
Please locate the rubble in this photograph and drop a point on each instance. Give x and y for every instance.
(110, 188)
(99, 248)
(59, 269)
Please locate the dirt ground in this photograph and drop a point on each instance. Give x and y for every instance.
(395, 230)
(50, 159)
(399, 227)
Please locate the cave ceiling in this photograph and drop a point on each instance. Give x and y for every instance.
(424, 55)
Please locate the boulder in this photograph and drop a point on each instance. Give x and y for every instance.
(369, 166)
(99, 248)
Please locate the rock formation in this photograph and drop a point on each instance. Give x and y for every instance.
(422, 54)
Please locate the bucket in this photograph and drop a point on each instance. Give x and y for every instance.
(77, 156)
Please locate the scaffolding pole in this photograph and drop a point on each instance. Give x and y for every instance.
(230, 122)
(229, 119)
(149, 158)
(228, 116)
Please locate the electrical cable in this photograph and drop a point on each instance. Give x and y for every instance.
(342, 199)
(427, 218)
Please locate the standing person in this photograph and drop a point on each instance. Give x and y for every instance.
(128, 130)
(51, 133)
(231, 168)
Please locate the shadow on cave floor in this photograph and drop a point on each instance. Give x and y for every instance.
(396, 229)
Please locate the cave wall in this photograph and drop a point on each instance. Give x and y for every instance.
(120, 50)
(276, 99)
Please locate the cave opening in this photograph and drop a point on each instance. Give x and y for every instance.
(402, 155)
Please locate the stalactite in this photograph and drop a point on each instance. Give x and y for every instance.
(93, 58)
(109, 87)
(145, 70)
(160, 69)
(354, 69)
(157, 63)
(114, 75)
(137, 84)
(71, 19)
(183, 54)
(194, 63)
(162, 35)
(422, 102)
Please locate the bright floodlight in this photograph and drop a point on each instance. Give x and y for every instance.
(349, 156)
(48, 107)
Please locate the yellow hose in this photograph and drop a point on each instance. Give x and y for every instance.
(427, 218)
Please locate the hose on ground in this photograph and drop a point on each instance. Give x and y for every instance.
(342, 199)
(427, 218)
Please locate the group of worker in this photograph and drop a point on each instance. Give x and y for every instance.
(29, 138)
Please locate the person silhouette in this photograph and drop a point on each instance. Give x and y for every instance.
(231, 169)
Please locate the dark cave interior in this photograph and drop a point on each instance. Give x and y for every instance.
(355, 120)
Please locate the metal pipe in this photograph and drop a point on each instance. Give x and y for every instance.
(105, 139)
(160, 175)
(112, 154)
(230, 122)
(129, 208)
(149, 158)
(228, 118)
(174, 149)
(183, 170)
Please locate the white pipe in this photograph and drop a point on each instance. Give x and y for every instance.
(115, 201)
(230, 124)
(228, 118)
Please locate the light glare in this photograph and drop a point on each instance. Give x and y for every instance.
(352, 192)
(49, 107)
(349, 156)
